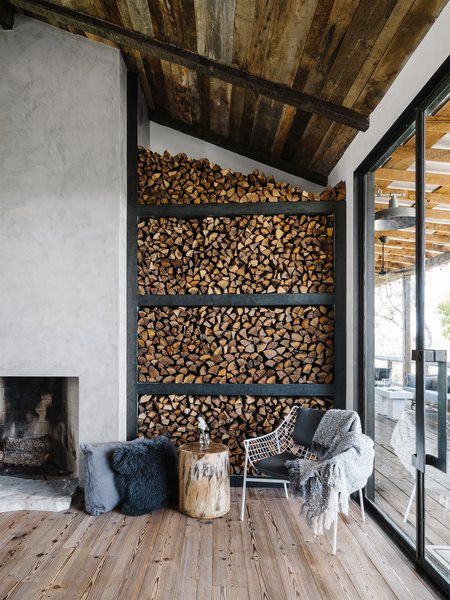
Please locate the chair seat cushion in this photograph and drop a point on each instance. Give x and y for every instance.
(275, 465)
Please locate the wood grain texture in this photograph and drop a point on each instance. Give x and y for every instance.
(343, 51)
(204, 480)
(393, 176)
(167, 179)
(236, 345)
(168, 556)
(248, 254)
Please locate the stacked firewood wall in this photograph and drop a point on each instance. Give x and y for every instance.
(239, 255)
(167, 179)
(247, 254)
(215, 344)
(231, 418)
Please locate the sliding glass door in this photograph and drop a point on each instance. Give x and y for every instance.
(435, 314)
(405, 383)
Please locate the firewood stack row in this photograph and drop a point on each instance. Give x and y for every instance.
(167, 179)
(244, 255)
(236, 345)
(231, 419)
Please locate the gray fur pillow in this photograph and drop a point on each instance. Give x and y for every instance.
(100, 490)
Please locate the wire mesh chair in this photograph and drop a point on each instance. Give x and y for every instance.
(279, 441)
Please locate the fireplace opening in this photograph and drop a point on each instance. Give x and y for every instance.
(39, 426)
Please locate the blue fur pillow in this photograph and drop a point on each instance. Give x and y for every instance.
(146, 475)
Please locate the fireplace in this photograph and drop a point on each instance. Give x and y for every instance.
(39, 426)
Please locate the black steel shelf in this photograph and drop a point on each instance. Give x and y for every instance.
(234, 209)
(236, 389)
(253, 300)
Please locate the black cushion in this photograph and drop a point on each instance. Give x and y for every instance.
(274, 465)
(307, 421)
(146, 475)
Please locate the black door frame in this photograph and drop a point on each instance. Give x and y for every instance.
(411, 120)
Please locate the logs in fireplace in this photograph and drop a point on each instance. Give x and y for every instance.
(36, 429)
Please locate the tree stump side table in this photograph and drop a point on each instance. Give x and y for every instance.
(204, 480)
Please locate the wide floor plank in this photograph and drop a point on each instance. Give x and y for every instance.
(271, 555)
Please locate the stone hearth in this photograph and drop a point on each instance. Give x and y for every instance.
(19, 493)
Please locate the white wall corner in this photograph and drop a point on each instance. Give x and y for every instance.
(175, 142)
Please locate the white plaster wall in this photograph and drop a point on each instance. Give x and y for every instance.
(63, 217)
(427, 58)
(164, 138)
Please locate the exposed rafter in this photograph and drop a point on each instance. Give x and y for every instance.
(133, 40)
(430, 153)
(387, 174)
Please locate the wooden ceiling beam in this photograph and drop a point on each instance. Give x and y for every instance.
(6, 15)
(436, 261)
(386, 174)
(391, 264)
(430, 154)
(439, 238)
(409, 255)
(243, 150)
(127, 39)
(431, 197)
(410, 245)
(437, 124)
(410, 260)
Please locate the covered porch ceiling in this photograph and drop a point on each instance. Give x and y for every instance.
(287, 83)
(397, 176)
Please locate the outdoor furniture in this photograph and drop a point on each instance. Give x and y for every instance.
(392, 401)
(383, 375)
(431, 393)
(292, 439)
(204, 480)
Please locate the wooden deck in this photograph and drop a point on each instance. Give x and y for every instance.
(271, 556)
(393, 485)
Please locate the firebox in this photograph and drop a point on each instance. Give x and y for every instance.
(39, 425)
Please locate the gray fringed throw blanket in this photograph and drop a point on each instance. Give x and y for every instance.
(345, 463)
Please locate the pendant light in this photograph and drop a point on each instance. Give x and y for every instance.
(382, 239)
(394, 217)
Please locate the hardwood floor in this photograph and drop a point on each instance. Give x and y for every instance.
(271, 555)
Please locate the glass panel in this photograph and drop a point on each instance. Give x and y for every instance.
(437, 328)
(393, 385)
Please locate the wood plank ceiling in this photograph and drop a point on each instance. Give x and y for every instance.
(397, 174)
(345, 51)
